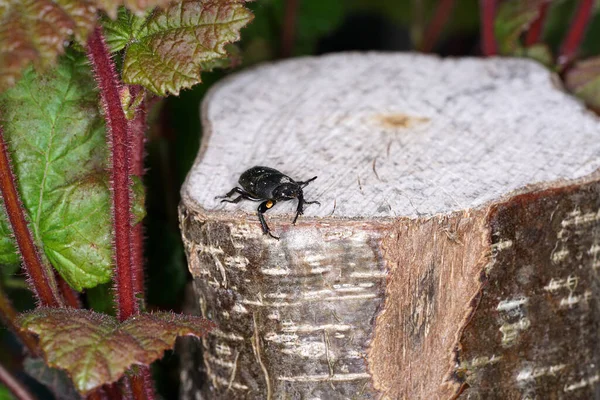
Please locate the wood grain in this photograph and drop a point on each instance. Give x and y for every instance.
(435, 276)
(393, 135)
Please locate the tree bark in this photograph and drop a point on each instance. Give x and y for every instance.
(454, 253)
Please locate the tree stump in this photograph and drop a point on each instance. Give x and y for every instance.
(455, 252)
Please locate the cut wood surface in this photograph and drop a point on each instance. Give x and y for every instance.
(393, 135)
(454, 252)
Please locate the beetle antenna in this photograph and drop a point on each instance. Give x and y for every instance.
(303, 184)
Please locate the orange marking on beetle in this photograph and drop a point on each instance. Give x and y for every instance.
(269, 204)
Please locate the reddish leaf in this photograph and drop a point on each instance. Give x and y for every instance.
(95, 349)
(36, 31)
(139, 7)
(167, 52)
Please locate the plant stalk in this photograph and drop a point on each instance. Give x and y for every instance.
(288, 33)
(118, 138)
(16, 387)
(141, 384)
(489, 47)
(535, 31)
(70, 296)
(568, 49)
(137, 131)
(442, 13)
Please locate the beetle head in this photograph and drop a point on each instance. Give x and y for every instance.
(287, 191)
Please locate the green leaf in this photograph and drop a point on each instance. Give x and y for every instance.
(538, 52)
(5, 394)
(9, 256)
(57, 139)
(8, 269)
(512, 19)
(119, 32)
(55, 380)
(101, 299)
(168, 51)
(95, 349)
(583, 80)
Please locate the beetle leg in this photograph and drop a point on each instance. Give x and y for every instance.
(300, 209)
(231, 192)
(262, 209)
(301, 203)
(242, 195)
(236, 200)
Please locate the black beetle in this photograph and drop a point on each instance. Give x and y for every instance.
(269, 186)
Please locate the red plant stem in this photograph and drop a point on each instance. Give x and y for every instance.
(99, 394)
(137, 387)
(119, 136)
(8, 315)
(437, 24)
(16, 387)
(40, 276)
(489, 47)
(140, 383)
(69, 295)
(137, 259)
(117, 129)
(569, 47)
(141, 386)
(535, 30)
(126, 388)
(113, 391)
(288, 34)
(137, 130)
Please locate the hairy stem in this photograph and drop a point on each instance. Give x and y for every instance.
(535, 31)
(137, 130)
(118, 137)
(289, 28)
(141, 384)
(8, 315)
(99, 394)
(16, 387)
(69, 295)
(442, 13)
(126, 388)
(568, 49)
(113, 391)
(489, 47)
(40, 275)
